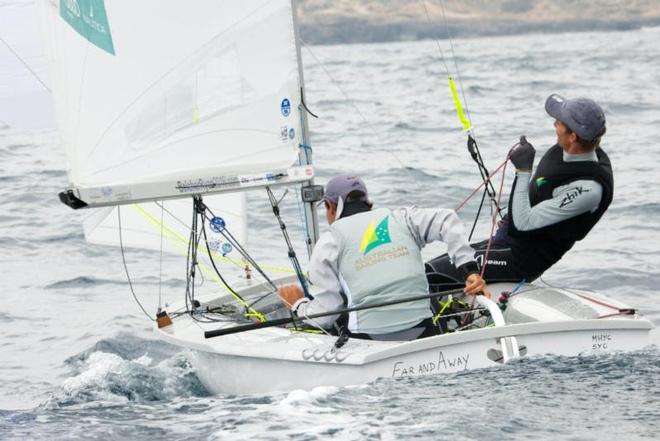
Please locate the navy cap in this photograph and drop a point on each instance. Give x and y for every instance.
(340, 186)
(582, 115)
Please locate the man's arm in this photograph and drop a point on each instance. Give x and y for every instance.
(568, 201)
(324, 284)
(428, 225)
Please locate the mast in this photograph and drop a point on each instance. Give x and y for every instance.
(305, 154)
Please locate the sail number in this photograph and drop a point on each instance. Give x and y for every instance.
(600, 341)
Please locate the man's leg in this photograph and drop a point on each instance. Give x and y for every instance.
(501, 266)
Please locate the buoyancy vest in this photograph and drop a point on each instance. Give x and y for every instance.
(552, 242)
(379, 261)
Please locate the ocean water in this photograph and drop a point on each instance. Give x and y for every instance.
(78, 359)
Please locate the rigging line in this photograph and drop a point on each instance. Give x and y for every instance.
(186, 296)
(292, 253)
(488, 179)
(492, 229)
(476, 218)
(199, 209)
(453, 55)
(306, 317)
(493, 222)
(236, 295)
(307, 215)
(591, 299)
(302, 216)
(284, 321)
(160, 267)
(465, 120)
(357, 109)
(177, 240)
(128, 276)
(475, 153)
(24, 63)
(304, 104)
(489, 186)
(442, 55)
(189, 264)
(467, 311)
(248, 258)
(230, 238)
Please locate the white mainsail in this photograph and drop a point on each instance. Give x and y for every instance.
(158, 99)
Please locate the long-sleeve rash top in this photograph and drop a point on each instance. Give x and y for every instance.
(567, 201)
(425, 226)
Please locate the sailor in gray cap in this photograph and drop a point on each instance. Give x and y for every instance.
(371, 256)
(557, 206)
(582, 117)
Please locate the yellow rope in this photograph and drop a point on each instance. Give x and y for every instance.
(205, 269)
(442, 310)
(176, 236)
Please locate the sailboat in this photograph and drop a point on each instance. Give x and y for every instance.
(168, 110)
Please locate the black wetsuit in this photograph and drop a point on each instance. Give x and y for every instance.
(525, 254)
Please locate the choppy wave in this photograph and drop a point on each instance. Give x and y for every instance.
(126, 368)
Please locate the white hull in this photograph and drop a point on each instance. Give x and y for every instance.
(276, 359)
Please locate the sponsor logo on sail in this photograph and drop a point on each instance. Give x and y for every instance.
(226, 248)
(89, 19)
(285, 107)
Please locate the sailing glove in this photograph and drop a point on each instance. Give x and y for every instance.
(522, 157)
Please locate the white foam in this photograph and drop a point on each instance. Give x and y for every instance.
(145, 360)
(297, 396)
(95, 376)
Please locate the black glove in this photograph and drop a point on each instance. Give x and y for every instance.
(522, 157)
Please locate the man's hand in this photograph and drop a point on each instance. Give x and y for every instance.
(522, 157)
(475, 285)
(290, 294)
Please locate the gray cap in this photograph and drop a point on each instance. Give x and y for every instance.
(341, 186)
(582, 115)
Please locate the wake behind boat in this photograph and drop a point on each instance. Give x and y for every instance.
(159, 106)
